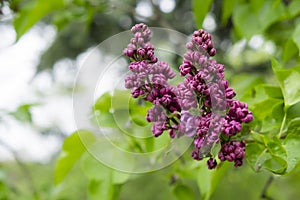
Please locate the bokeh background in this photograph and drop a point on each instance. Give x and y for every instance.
(44, 43)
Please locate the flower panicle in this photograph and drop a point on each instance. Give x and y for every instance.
(149, 80)
(202, 106)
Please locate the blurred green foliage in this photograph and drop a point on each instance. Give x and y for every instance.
(268, 83)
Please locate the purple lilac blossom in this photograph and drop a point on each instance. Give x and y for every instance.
(149, 80)
(205, 88)
(233, 151)
(211, 163)
(202, 106)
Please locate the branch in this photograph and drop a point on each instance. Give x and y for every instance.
(265, 189)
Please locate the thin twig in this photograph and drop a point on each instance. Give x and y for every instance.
(265, 189)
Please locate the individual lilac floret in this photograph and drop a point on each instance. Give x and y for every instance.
(231, 127)
(145, 75)
(239, 111)
(233, 151)
(186, 96)
(187, 124)
(211, 163)
(156, 113)
(208, 130)
(139, 47)
(158, 128)
(237, 114)
(202, 41)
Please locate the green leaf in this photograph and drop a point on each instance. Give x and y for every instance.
(73, 148)
(256, 155)
(4, 187)
(271, 157)
(108, 103)
(266, 103)
(276, 165)
(121, 111)
(105, 120)
(275, 147)
(104, 181)
(111, 110)
(265, 108)
(200, 10)
(120, 99)
(244, 23)
(289, 83)
(209, 179)
(294, 8)
(292, 146)
(292, 88)
(23, 113)
(268, 115)
(227, 9)
(296, 35)
(183, 192)
(138, 111)
(294, 126)
(103, 103)
(289, 50)
(265, 14)
(96, 170)
(33, 12)
(255, 5)
(293, 111)
(99, 189)
(245, 84)
(257, 137)
(257, 93)
(276, 65)
(113, 150)
(273, 91)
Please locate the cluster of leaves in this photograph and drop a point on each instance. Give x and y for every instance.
(275, 133)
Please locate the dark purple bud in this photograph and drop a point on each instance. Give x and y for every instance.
(211, 163)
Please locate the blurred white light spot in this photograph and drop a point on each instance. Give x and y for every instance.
(42, 82)
(55, 112)
(9, 34)
(63, 72)
(125, 22)
(144, 9)
(237, 48)
(209, 23)
(256, 41)
(269, 47)
(5, 9)
(167, 6)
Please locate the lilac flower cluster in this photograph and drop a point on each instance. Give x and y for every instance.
(202, 106)
(139, 48)
(148, 80)
(233, 151)
(205, 90)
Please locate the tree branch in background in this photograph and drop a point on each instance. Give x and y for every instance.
(265, 189)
